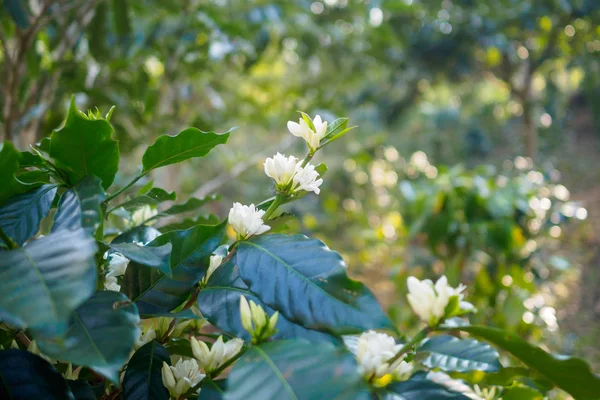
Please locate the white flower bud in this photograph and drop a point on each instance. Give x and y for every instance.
(430, 301)
(247, 220)
(215, 262)
(245, 314)
(256, 321)
(303, 130)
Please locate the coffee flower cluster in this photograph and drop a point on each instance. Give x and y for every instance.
(373, 351)
(291, 175)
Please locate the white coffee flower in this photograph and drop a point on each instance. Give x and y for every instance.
(307, 178)
(373, 351)
(117, 264)
(312, 137)
(142, 214)
(211, 359)
(110, 283)
(256, 321)
(247, 220)
(455, 385)
(281, 168)
(146, 337)
(182, 377)
(430, 301)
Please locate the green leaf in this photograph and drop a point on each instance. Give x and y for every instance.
(43, 282)
(120, 11)
(189, 143)
(21, 215)
(335, 127)
(101, 335)
(84, 146)
(29, 159)
(192, 204)
(452, 354)
(153, 291)
(573, 375)
(219, 303)
(9, 165)
(24, 375)
(152, 198)
(296, 370)
(80, 207)
(418, 387)
(212, 390)
(306, 282)
(141, 234)
(205, 219)
(149, 256)
(143, 378)
(521, 392)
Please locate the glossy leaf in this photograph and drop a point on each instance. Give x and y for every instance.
(187, 223)
(24, 375)
(101, 335)
(296, 370)
(573, 375)
(152, 290)
(84, 146)
(418, 387)
(453, 354)
(9, 165)
(80, 207)
(21, 215)
(143, 378)
(189, 143)
(141, 234)
(192, 204)
(43, 282)
(212, 390)
(149, 256)
(307, 282)
(152, 198)
(219, 302)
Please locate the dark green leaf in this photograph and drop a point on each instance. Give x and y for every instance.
(219, 302)
(307, 282)
(212, 390)
(152, 290)
(101, 335)
(80, 207)
(296, 370)
(418, 387)
(521, 392)
(192, 204)
(143, 378)
(83, 390)
(9, 165)
(120, 11)
(18, 13)
(84, 146)
(21, 215)
(189, 143)
(452, 354)
(141, 234)
(43, 282)
(24, 376)
(97, 32)
(572, 375)
(152, 198)
(206, 219)
(149, 256)
(29, 159)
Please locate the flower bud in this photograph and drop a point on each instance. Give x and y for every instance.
(256, 321)
(304, 130)
(220, 352)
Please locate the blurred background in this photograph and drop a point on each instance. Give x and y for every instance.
(476, 153)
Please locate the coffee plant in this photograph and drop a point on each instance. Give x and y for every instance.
(110, 294)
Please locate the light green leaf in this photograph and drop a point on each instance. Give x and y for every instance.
(84, 146)
(189, 143)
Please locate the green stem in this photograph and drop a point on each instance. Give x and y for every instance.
(416, 339)
(124, 188)
(7, 240)
(307, 159)
(273, 207)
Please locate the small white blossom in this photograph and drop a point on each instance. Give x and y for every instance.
(303, 130)
(110, 283)
(146, 337)
(117, 264)
(454, 385)
(429, 301)
(307, 178)
(256, 321)
(142, 214)
(182, 377)
(281, 168)
(211, 359)
(247, 220)
(373, 350)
